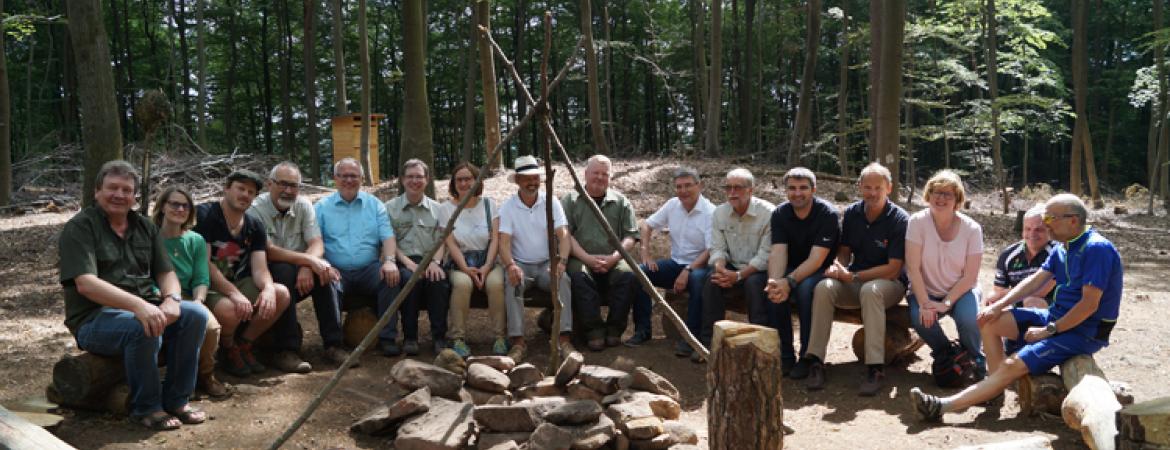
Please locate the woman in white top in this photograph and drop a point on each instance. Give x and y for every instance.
(472, 248)
(944, 249)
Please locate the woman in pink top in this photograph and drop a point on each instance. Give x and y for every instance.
(944, 249)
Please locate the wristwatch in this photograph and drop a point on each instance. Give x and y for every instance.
(791, 281)
(853, 277)
(175, 297)
(1051, 329)
(948, 303)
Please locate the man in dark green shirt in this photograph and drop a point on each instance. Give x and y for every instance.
(110, 261)
(596, 266)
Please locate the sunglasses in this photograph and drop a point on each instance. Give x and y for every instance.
(1048, 219)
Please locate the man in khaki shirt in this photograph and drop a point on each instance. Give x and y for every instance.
(740, 243)
(414, 217)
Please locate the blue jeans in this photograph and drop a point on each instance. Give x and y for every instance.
(326, 303)
(664, 277)
(117, 333)
(367, 280)
(964, 312)
(779, 316)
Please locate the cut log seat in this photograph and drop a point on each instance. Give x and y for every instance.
(16, 433)
(1086, 400)
(89, 381)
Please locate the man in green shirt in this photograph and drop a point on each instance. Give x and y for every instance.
(110, 261)
(596, 268)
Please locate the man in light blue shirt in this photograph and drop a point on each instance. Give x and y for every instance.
(360, 245)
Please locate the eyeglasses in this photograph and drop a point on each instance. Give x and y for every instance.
(287, 184)
(1048, 218)
(464, 179)
(735, 187)
(349, 176)
(943, 194)
(179, 205)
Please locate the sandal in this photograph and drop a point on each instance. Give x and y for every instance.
(189, 415)
(157, 421)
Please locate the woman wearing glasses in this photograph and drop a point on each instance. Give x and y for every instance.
(944, 249)
(175, 216)
(472, 246)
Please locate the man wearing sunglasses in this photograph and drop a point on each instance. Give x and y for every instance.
(1088, 274)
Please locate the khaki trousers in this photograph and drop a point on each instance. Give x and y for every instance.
(872, 297)
(461, 290)
(210, 344)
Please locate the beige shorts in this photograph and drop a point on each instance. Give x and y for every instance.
(246, 287)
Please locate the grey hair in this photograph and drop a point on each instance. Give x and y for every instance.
(117, 168)
(345, 161)
(285, 165)
(875, 168)
(742, 174)
(1034, 212)
(800, 173)
(415, 162)
(684, 171)
(1073, 203)
(599, 159)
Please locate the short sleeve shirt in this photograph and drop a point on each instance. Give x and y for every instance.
(821, 228)
(472, 230)
(1089, 259)
(528, 227)
(232, 254)
(690, 231)
(943, 262)
(188, 254)
(874, 243)
(742, 240)
(1013, 265)
(290, 230)
(588, 231)
(416, 227)
(353, 231)
(88, 245)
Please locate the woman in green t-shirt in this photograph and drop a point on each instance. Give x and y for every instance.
(174, 214)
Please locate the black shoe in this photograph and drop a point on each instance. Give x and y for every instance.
(637, 339)
(410, 347)
(816, 376)
(800, 370)
(927, 407)
(389, 348)
(682, 349)
(439, 345)
(875, 380)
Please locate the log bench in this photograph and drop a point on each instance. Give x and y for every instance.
(1083, 396)
(89, 381)
(361, 312)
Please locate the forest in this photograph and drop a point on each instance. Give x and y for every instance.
(1007, 92)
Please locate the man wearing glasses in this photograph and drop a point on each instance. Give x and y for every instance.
(740, 231)
(296, 261)
(1088, 274)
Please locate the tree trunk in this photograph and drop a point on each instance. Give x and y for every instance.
(100, 129)
(201, 102)
(229, 122)
(1080, 86)
(179, 13)
(364, 58)
(416, 120)
(611, 141)
(596, 131)
(699, 68)
(469, 57)
(875, 65)
(747, 84)
(743, 379)
(715, 79)
(520, 57)
(804, 104)
(5, 126)
(267, 79)
(313, 168)
(911, 170)
(890, 87)
(340, 102)
(487, 73)
(993, 88)
(286, 56)
(1158, 111)
(843, 95)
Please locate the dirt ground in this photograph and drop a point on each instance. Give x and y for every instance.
(33, 337)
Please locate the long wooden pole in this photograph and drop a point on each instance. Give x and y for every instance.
(554, 257)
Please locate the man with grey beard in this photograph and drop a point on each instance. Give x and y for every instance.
(296, 260)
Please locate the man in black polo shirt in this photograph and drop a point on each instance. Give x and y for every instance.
(867, 275)
(242, 289)
(111, 260)
(1021, 259)
(805, 230)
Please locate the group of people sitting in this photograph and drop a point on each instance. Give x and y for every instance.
(210, 279)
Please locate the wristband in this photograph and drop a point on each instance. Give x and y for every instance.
(738, 276)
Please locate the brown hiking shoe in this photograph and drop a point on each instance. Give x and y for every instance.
(246, 355)
(232, 362)
(874, 382)
(288, 361)
(337, 355)
(213, 387)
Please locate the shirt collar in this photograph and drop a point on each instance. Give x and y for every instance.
(357, 199)
(1080, 240)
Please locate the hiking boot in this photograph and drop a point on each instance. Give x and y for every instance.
(816, 376)
(875, 380)
(439, 345)
(389, 349)
(613, 341)
(637, 339)
(289, 362)
(337, 355)
(500, 346)
(212, 386)
(597, 344)
(249, 358)
(460, 347)
(410, 347)
(786, 367)
(517, 352)
(800, 370)
(927, 408)
(232, 362)
(682, 349)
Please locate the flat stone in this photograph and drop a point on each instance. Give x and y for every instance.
(384, 416)
(575, 413)
(622, 396)
(524, 375)
(623, 364)
(663, 406)
(569, 368)
(642, 428)
(603, 379)
(680, 432)
(578, 391)
(550, 437)
(447, 425)
(625, 412)
(499, 441)
(660, 442)
(448, 359)
(649, 381)
(541, 405)
(500, 363)
(482, 397)
(482, 376)
(505, 418)
(416, 375)
(593, 436)
(545, 388)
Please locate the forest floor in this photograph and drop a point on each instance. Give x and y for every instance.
(33, 337)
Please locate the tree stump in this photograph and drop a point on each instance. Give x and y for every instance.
(1040, 393)
(900, 343)
(86, 378)
(358, 323)
(745, 406)
(1146, 423)
(1090, 406)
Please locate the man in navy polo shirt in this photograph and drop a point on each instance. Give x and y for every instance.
(1088, 274)
(1020, 260)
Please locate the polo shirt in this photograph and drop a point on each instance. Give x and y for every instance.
(820, 228)
(416, 227)
(1013, 265)
(353, 231)
(742, 240)
(232, 254)
(88, 245)
(690, 231)
(874, 243)
(290, 230)
(528, 227)
(1088, 259)
(588, 232)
